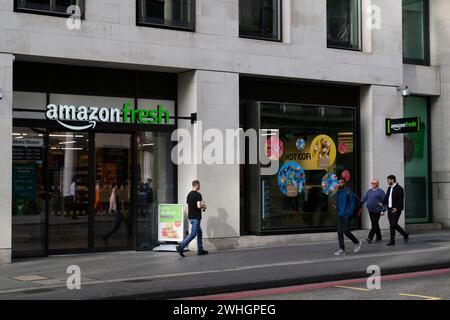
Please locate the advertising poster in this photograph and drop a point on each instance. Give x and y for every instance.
(170, 223)
(24, 185)
(24, 181)
(312, 153)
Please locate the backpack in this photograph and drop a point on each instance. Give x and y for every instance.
(358, 206)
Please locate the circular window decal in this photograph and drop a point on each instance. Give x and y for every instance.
(300, 144)
(330, 184)
(274, 148)
(291, 179)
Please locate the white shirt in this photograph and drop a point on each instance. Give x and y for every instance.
(390, 197)
(73, 189)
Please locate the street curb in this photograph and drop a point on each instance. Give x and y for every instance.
(232, 288)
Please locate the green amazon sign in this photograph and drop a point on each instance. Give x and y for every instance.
(404, 125)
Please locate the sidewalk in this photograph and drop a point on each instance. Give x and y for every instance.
(149, 275)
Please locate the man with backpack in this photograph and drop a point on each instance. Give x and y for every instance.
(346, 204)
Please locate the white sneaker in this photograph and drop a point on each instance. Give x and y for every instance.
(340, 252)
(357, 247)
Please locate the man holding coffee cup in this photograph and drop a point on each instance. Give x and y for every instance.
(195, 207)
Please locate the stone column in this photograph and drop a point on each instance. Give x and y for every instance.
(6, 81)
(440, 112)
(214, 96)
(381, 155)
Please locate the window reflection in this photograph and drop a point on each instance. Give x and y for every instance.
(154, 184)
(343, 23)
(415, 28)
(54, 6)
(68, 190)
(260, 19)
(113, 219)
(170, 13)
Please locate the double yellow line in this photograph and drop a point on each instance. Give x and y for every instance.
(400, 294)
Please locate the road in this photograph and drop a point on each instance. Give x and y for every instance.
(428, 285)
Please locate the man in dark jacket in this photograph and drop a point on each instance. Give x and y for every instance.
(394, 201)
(345, 205)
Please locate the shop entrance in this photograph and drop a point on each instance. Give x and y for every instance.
(80, 188)
(89, 180)
(88, 191)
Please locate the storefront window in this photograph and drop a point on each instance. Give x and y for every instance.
(58, 7)
(81, 181)
(28, 201)
(178, 14)
(417, 180)
(344, 24)
(315, 146)
(113, 218)
(415, 31)
(155, 174)
(68, 166)
(260, 19)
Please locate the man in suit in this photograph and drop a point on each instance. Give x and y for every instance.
(394, 200)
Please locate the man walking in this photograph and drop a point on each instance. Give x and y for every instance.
(195, 207)
(345, 205)
(394, 200)
(373, 198)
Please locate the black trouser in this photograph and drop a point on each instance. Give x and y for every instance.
(343, 228)
(375, 219)
(117, 226)
(393, 221)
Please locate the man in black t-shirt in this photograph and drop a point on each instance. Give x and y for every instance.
(195, 207)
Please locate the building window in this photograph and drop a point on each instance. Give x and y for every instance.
(416, 32)
(344, 24)
(175, 14)
(314, 146)
(260, 19)
(318, 147)
(52, 7)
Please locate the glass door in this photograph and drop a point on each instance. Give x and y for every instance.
(68, 181)
(417, 165)
(112, 205)
(154, 184)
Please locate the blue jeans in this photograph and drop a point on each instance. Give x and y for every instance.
(195, 232)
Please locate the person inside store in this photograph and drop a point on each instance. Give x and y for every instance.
(142, 199)
(149, 192)
(71, 200)
(98, 201)
(113, 209)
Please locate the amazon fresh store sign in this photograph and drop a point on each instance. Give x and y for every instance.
(91, 115)
(404, 125)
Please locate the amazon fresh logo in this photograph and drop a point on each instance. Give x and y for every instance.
(90, 116)
(400, 126)
(405, 125)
